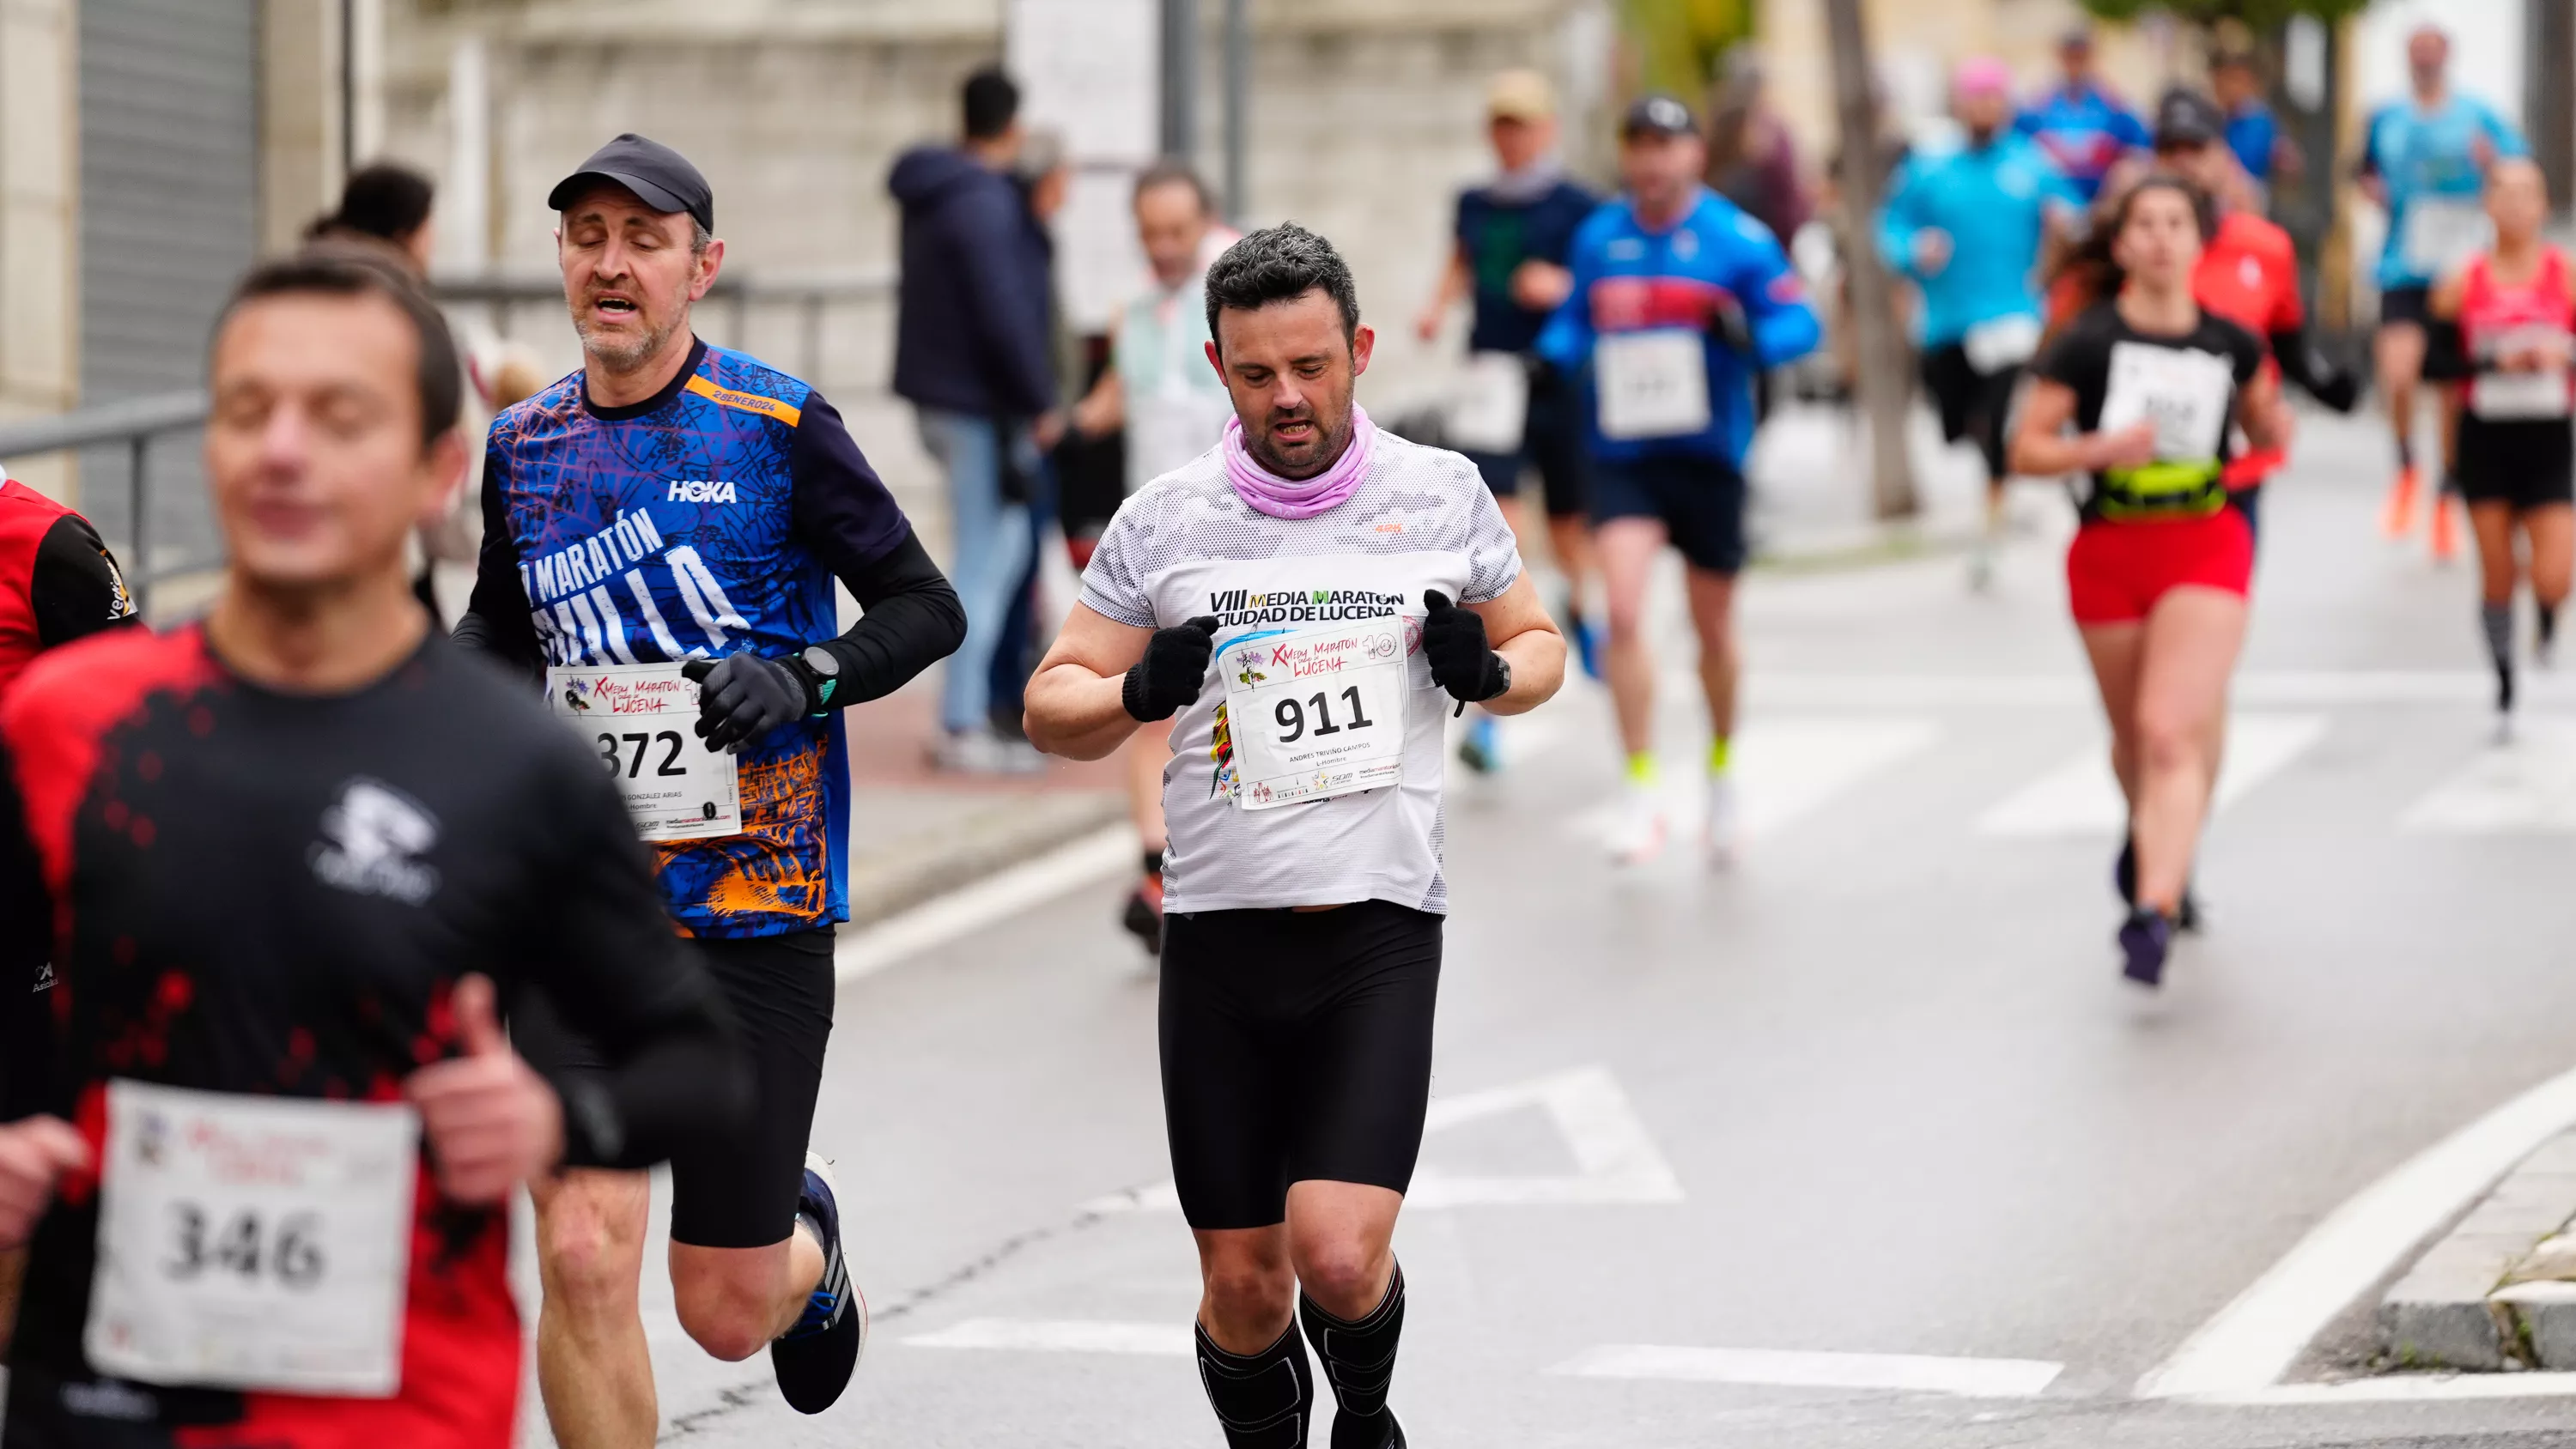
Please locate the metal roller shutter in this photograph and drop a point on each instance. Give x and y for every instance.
(169, 195)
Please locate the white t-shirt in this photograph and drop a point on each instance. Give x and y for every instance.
(1186, 545)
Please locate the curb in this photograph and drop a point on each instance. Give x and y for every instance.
(1012, 829)
(2492, 1293)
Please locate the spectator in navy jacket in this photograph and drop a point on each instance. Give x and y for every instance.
(972, 355)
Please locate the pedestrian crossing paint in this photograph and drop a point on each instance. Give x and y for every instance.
(2081, 797)
(1062, 1335)
(1785, 768)
(1973, 1378)
(1616, 1160)
(2524, 786)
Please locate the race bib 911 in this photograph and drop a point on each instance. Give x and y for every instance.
(253, 1242)
(641, 719)
(1317, 713)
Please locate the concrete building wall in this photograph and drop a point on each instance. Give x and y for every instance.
(1365, 116)
(39, 220)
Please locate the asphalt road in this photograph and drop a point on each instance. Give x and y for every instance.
(1705, 1141)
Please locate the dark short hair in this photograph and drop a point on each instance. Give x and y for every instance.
(1278, 264)
(992, 102)
(1168, 172)
(384, 201)
(348, 269)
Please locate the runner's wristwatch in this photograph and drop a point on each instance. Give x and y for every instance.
(821, 669)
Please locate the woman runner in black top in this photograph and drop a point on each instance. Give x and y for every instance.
(283, 856)
(2157, 577)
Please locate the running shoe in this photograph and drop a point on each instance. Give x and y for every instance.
(1143, 917)
(814, 1359)
(1587, 643)
(1725, 821)
(1480, 748)
(1638, 837)
(2124, 878)
(2397, 517)
(2446, 527)
(2145, 939)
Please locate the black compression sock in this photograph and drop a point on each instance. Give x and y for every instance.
(1359, 1362)
(1264, 1400)
(2496, 621)
(2405, 453)
(2548, 624)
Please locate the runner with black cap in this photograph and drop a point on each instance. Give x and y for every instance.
(1679, 297)
(662, 530)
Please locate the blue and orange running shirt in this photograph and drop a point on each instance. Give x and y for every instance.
(707, 519)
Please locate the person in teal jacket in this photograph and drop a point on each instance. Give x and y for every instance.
(1967, 224)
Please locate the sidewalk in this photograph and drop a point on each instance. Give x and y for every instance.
(916, 833)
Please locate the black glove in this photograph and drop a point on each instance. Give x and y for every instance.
(743, 696)
(1453, 639)
(2338, 390)
(1174, 666)
(1728, 324)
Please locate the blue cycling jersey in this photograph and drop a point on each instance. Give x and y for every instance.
(2085, 130)
(1630, 279)
(1993, 202)
(2429, 160)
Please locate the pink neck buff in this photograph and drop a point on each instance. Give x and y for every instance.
(1267, 492)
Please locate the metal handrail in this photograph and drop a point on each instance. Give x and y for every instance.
(133, 422)
(123, 421)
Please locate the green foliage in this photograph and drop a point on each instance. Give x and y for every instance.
(2259, 14)
(1678, 43)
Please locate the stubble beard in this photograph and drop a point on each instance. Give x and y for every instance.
(1335, 440)
(617, 358)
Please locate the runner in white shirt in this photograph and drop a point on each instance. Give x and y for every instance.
(1345, 584)
(1173, 407)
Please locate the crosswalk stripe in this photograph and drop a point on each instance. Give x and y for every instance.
(1063, 1335)
(1787, 767)
(2526, 787)
(2080, 797)
(1974, 1378)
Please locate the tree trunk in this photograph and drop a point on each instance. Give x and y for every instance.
(1884, 389)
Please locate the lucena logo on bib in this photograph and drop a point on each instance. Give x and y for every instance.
(1238, 608)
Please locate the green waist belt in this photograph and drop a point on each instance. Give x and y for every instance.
(2162, 490)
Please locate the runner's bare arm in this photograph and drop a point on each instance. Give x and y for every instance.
(1076, 702)
(2041, 448)
(1521, 631)
(1454, 280)
(2266, 421)
(2448, 293)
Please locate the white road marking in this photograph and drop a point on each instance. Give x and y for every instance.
(1066, 1335)
(2080, 797)
(969, 909)
(2254, 1340)
(2403, 1389)
(1616, 1161)
(2527, 787)
(2074, 687)
(1787, 768)
(1972, 1378)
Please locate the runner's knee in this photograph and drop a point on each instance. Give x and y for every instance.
(590, 1246)
(1250, 1291)
(728, 1322)
(2168, 739)
(1341, 1272)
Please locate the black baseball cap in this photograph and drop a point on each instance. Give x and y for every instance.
(2185, 117)
(660, 177)
(1659, 115)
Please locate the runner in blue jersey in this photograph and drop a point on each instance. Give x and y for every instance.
(2424, 160)
(2253, 131)
(1678, 298)
(2082, 126)
(1967, 223)
(662, 531)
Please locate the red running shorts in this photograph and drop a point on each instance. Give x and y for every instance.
(2115, 572)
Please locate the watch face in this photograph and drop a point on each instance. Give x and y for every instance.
(822, 661)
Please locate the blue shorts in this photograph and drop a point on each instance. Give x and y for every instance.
(1700, 502)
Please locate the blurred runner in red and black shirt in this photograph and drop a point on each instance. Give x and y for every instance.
(58, 583)
(275, 851)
